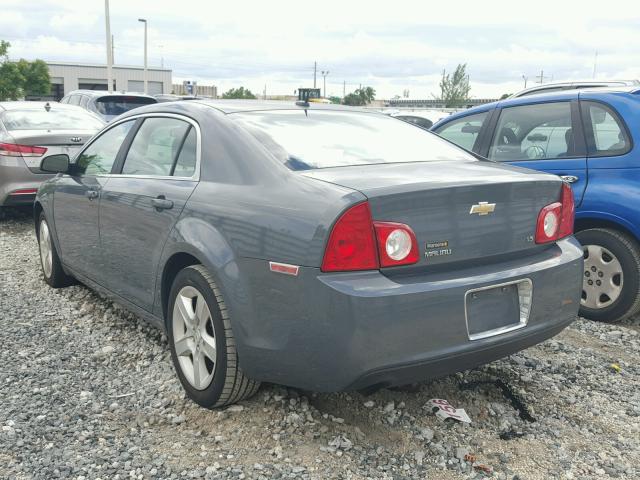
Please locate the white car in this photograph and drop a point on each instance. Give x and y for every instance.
(422, 118)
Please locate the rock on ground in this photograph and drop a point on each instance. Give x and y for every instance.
(88, 391)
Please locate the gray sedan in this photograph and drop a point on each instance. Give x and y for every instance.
(312, 246)
(28, 132)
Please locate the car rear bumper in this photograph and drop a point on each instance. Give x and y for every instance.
(329, 332)
(16, 180)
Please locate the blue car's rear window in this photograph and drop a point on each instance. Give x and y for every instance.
(325, 138)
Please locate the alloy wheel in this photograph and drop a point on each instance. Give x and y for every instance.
(194, 337)
(46, 249)
(603, 278)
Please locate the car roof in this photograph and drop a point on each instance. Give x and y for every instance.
(541, 98)
(26, 105)
(105, 93)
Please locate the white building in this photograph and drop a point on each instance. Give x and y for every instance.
(66, 77)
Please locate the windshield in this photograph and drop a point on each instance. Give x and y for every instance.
(115, 104)
(54, 119)
(324, 139)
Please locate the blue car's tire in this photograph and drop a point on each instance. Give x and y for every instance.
(202, 345)
(611, 281)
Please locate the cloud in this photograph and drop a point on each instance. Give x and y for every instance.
(406, 46)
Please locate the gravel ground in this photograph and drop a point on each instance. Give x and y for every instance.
(88, 391)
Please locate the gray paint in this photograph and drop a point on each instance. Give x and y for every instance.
(321, 331)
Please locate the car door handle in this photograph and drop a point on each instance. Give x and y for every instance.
(569, 178)
(91, 194)
(161, 203)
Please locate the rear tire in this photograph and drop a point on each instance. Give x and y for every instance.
(52, 270)
(611, 288)
(202, 345)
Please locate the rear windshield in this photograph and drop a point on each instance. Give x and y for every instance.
(54, 119)
(324, 139)
(115, 105)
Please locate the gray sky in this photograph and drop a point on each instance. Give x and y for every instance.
(391, 46)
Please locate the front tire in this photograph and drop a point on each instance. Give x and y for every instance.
(202, 345)
(52, 270)
(611, 281)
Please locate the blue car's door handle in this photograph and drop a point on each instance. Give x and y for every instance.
(569, 178)
(161, 203)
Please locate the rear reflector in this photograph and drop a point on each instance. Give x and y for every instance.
(25, 191)
(555, 221)
(284, 268)
(16, 150)
(351, 244)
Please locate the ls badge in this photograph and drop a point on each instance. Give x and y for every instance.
(437, 249)
(482, 208)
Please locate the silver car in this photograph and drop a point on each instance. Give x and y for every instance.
(28, 132)
(107, 105)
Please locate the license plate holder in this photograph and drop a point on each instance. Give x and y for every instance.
(497, 309)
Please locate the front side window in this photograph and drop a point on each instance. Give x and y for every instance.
(464, 131)
(533, 132)
(311, 139)
(155, 147)
(99, 157)
(608, 137)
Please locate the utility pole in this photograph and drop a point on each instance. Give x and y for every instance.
(542, 77)
(146, 90)
(315, 69)
(344, 88)
(595, 62)
(113, 50)
(324, 79)
(109, 53)
(525, 78)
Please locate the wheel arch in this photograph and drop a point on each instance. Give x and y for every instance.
(614, 223)
(194, 241)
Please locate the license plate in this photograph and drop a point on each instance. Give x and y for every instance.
(497, 309)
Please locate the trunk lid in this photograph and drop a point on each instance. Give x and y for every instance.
(436, 200)
(57, 141)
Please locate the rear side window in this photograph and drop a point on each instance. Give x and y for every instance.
(155, 147)
(464, 131)
(186, 163)
(533, 132)
(74, 100)
(606, 135)
(311, 139)
(98, 158)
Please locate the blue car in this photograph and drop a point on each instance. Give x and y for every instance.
(591, 139)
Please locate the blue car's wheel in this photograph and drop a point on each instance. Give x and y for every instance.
(611, 282)
(201, 341)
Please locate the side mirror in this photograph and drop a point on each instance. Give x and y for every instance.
(55, 163)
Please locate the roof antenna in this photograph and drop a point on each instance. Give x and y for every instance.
(47, 107)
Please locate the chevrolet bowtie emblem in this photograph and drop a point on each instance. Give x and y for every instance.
(482, 208)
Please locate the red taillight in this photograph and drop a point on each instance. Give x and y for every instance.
(555, 221)
(16, 150)
(352, 244)
(25, 191)
(358, 243)
(397, 244)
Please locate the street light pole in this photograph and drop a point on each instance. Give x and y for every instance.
(109, 46)
(145, 54)
(324, 79)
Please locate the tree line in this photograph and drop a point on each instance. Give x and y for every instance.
(22, 78)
